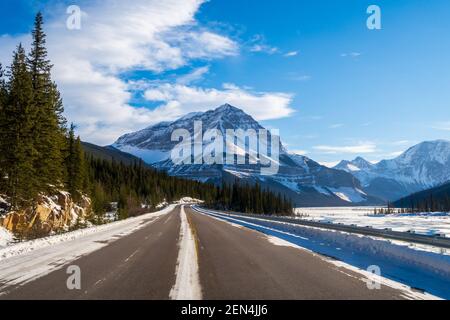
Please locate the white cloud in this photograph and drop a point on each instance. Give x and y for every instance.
(299, 152)
(117, 37)
(351, 54)
(401, 142)
(259, 44)
(336, 126)
(205, 44)
(444, 126)
(291, 54)
(361, 148)
(263, 48)
(180, 99)
(194, 76)
(302, 77)
(395, 154)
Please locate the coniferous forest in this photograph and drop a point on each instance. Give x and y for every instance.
(40, 153)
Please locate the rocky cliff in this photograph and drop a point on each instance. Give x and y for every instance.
(51, 214)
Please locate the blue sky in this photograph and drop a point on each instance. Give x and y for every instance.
(312, 69)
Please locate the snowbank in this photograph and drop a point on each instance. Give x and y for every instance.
(189, 200)
(6, 237)
(421, 223)
(4, 205)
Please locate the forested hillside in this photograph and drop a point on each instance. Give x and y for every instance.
(108, 153)
(249, 199)
(431, 200)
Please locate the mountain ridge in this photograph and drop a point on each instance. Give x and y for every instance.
(422, 166)
(305, 181)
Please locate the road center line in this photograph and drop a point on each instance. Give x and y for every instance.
(187, 285)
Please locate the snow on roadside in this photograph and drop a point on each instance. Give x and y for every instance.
(6, 237)
(401, 264)
(187, 284)
(26, 261)
(189, 200)
(370, 277)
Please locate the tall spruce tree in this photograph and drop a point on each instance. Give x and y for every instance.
(18, 148)
(3, 98)
(48, 128)
(76, 181)
(3, 90)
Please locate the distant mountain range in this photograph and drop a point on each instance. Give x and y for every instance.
(421, 167)
(305, 181)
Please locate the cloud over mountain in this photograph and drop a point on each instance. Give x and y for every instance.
(118, 38)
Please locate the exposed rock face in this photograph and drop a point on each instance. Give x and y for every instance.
(51, 214)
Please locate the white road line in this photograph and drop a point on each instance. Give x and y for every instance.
(132, 255)
(187, 285)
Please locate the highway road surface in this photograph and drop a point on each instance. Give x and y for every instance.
(183, 254)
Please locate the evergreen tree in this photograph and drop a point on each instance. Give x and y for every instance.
(49, 124)
(18, 148)
(75, 166)
(83, 179)
(3, 90)
(3, 125)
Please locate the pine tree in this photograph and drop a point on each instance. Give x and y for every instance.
(18, 146)
(3, 126)
(98, 197)
(84, 183)
(49, 124)
(3, 90)
(77, 181)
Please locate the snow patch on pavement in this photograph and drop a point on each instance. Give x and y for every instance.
(281, 243)
(187, 284)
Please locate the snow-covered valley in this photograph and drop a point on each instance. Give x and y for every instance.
(421, 223)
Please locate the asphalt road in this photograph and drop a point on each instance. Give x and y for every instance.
(238, 263)
(139, 266)
(233, 263)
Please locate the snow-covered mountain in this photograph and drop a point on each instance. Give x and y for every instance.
(305, 181)
(423, 166)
